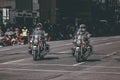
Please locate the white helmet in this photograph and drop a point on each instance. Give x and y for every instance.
(82, 26)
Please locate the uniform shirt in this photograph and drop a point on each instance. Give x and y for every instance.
(39, 33)
(24, 32)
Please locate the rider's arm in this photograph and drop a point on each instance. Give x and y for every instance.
(88, 35)
(78, 31)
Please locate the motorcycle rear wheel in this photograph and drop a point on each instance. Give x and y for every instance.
(41, 56)
(87, 54)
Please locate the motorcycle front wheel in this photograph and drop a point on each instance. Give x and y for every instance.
(34, 55)
(73, 52)
(77, 56)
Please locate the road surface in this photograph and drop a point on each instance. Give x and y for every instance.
(59, 64)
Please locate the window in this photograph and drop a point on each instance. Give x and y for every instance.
(24, 4)
(5, 15)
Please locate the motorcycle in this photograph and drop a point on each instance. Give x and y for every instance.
(82, 50)
(39, 49)
(30, 44)
(74, 45)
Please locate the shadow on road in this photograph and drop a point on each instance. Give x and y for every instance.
(50, 58)
(117, 59)
(92, 60)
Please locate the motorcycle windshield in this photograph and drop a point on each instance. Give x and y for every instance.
(38, 37)
(82, 37)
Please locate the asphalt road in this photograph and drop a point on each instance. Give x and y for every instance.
(59, 64)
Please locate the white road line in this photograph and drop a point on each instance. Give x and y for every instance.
(101, 72)
(61, 45)
(106, 38)
(113, 53)
(41, 64)
(5, 49)
(15, 53)
(11, 47)
(78, 64)
(36, 70)
(61, 71)
(69, 43)
(108, 43)
(67, 51)
(108, 67)
(88, 66)
(103, 44)
(9, 62)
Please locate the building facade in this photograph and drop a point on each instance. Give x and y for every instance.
(48, 10)
(58, 11)
(19, 11)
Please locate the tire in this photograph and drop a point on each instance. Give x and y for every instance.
(48, 48)
(41, 56)
(34, 55)
(87, 54)
(73, 52)
(77, 56)
(40, 53)
(30, 52)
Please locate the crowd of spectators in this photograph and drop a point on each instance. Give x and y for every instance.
(14, 33)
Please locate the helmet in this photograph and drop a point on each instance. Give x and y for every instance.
(24, 27)
(39, 25)
(82, 26)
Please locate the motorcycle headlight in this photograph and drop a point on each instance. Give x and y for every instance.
(35, 41)
(36, 36)
(34, 47)
(74, 41)
(78, 42)
(30, 41)
(79, 37)
(77, 48)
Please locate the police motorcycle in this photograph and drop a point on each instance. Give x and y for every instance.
(30, 44)
(74, 45)
(39, 49)
(82, 50)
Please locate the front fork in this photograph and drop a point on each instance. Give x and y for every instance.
(79, 50)
(36, 49)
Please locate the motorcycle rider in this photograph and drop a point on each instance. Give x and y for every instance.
(81, 31)
(39, 31)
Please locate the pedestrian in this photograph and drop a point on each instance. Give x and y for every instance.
(25, 34)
